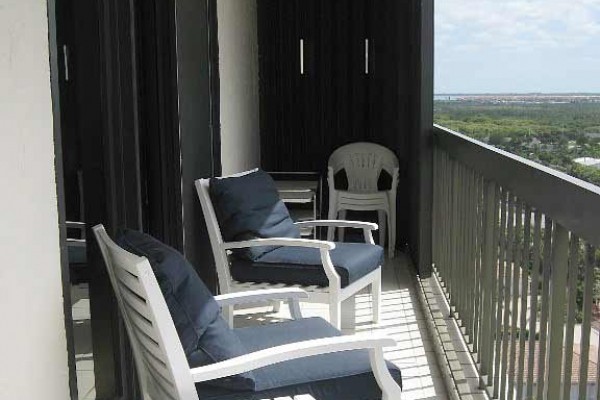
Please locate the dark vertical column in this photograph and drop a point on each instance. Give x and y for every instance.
(105, 74)
(421, 139)
(159, 125)
(57, 11)
(195, 26)
(390, 86)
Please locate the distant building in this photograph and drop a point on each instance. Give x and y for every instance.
(588, 162)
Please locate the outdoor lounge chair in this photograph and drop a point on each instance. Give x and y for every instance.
(183, 349)
(256, 245)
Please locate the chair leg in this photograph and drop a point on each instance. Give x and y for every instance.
(276, 306)
(332, 215)
(348, 321)
(392, 231)
(382, 225)
(342, 230)
(335, 313)
(227, 312)
(376, 298)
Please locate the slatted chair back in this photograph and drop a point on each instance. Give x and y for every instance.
(214, 231)
(363, 163)
(161, 364)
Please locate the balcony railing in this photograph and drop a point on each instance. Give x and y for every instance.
(515, 253)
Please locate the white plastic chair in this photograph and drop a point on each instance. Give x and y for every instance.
(363, 163)
(162, 367)
(334, 295)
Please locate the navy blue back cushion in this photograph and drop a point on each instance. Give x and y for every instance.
(249, 207)
(203, 333)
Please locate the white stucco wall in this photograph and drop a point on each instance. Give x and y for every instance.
(238, 70)
(33, 355)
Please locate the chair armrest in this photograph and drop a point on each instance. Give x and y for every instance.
(293, 351)
(339, 224)
(367, 227)
(291, 295)
(291, 242)
(254, 296)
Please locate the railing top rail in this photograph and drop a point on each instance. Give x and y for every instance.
(573, 203)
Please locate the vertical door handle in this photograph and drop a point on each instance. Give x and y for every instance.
(66, 62)
(301, 56)
(366, 56)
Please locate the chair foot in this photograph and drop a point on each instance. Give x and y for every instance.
(227, 312)
(276, 306)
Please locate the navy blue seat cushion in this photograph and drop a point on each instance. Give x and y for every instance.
(249, 207)
(205, 336)
(343, 375)
(295, 265)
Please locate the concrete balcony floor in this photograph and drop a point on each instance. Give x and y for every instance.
(402, 319)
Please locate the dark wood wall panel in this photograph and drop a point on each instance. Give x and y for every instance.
(304, 118)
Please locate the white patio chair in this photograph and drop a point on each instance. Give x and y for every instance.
(340, 299)
(363, 163)
(160, 360)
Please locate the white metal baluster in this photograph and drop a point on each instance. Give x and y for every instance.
(500, 291)
(517, 269)
(507, 294)
(572, 310)
(524, 295)
(588, 293)
(560, 257)
(535, 282)
(547, 268)
(488, 269)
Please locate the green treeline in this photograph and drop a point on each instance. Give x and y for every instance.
(553, 134)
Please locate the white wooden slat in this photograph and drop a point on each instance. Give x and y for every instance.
(130, 281)
(159, 370)
(165, 386)
(158, 391)
(150, 346)
(136, 303)
(142, 324)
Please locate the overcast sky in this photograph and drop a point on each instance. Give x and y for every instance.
(517, 46)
